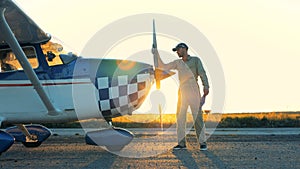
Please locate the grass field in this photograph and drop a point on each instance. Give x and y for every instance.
(269, 119)
(226, 120)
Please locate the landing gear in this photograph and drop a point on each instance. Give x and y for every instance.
(29, 135)
(113, 138)
(31, 138)
(109, 121)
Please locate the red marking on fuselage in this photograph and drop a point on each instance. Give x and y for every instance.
(44, 84)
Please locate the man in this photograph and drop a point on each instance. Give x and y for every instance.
(4, 62)
(189, 68)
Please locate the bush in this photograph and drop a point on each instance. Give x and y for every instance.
(254, 122)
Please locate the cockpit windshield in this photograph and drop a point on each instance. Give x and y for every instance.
(57, 53)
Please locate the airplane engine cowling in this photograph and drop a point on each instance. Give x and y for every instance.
(122, 86)
(40, 131)
(113, 138)
(6, 140)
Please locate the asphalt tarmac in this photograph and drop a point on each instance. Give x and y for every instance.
(152, 148)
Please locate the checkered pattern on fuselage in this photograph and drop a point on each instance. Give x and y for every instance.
(120, 95)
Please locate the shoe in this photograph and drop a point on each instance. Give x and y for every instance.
(203, 147)
(179, 147)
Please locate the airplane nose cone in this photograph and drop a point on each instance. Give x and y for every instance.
(122, 85)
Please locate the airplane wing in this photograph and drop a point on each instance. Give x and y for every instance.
(17, 28)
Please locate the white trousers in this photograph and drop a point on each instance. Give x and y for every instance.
(189, 95)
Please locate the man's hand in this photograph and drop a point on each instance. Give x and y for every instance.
(205, 92)
(154, 51)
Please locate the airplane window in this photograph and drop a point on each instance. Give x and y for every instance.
(51, 51)
(9, 62)
(56, 54)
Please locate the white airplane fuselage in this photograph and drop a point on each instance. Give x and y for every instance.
(78, 98)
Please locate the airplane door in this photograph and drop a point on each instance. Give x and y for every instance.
(15, 88)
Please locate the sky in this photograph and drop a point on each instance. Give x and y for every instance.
(256, 41)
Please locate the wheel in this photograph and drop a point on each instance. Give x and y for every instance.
(31, 144)
(114, 148)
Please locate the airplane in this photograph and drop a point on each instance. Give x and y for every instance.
(42, 82)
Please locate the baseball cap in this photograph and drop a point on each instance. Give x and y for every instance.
(180, 45)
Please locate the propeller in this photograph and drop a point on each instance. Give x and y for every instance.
(159, 73)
